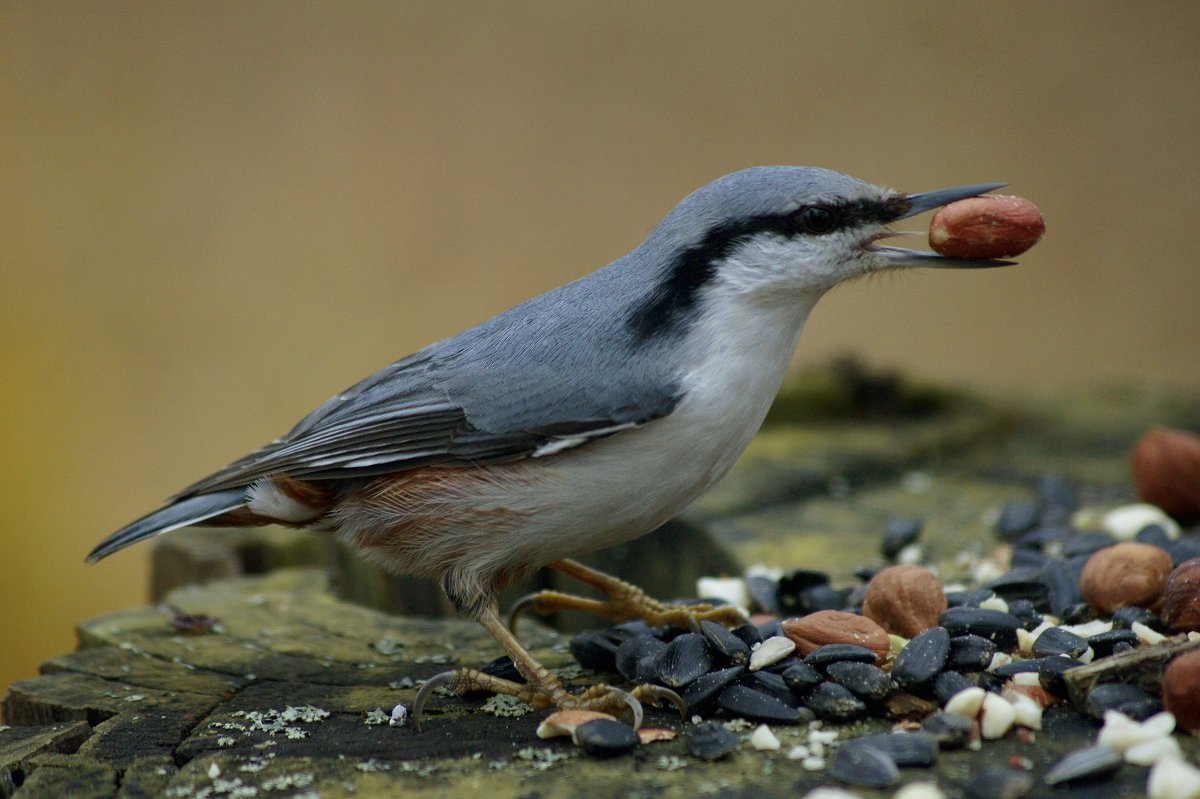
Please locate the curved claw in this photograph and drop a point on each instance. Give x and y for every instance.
(431, 685)
(635, 707)
(655, 694)
(519, 607)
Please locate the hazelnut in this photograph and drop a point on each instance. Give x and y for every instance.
(836, 627)
(1166, 471)
(1181, 601)
(995, 226)
(1128, 573)
(905, 599)
(1181, 690)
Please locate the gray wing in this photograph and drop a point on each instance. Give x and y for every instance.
(536, 380)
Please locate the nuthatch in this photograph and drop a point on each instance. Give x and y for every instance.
(577, 420)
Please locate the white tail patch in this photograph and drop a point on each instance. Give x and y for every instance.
(265, 499)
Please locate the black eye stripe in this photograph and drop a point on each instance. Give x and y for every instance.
(665, 309)
(821, 218)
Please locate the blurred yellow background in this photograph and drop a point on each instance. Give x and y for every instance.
(214, 215)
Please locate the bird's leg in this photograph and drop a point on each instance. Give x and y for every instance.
(543, 689)
(625, 601)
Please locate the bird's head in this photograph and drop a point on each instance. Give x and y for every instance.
(779, 234)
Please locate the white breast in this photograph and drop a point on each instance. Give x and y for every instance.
(621, 487)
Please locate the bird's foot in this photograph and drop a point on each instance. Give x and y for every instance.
(624, 601)
(548, 692)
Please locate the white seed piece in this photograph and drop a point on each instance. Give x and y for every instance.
(214, 770)
(996, 717)
(910, 554)
(1087, 656)
(919, 790)
(1028, 712)
(763, 570)
(819, 737)
(1025, 641)
(1122, 733)
(986, 571)
(1029, 678)
(763, 739)
(1147, 635)
(398, 717)
(967, 702)
(1172, 778)
(814, 763)
(771, 651)
(1150, 752)
(830, 792)
(999, 659)
(798, 752)
(994, 603)
(1127, 521)
(1160, 724)
(731, 589)
(1089, 628)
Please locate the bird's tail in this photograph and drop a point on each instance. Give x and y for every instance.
(172, 517)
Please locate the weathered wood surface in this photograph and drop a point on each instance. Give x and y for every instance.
(143, 709)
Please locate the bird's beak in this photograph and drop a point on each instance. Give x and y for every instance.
(927, 201)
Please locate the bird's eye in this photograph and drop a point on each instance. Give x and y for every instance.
(816, 219)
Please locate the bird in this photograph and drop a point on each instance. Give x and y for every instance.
(576, 420)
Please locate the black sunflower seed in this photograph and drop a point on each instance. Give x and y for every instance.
(864, 680)
(921, 658)
(950, 730)
(822, 656)
(1025, 611)
(970, 653)
(1123, 698)
(999, 783)
(898, 534)
(701, 693)
(1062, 578)
(1105, 643)
(865, 766)
(594, 651)
(726, 646)
(834, 702)
(738, 700)
(1084, 764)
(1016, 517)
(1051, 670)
(948, 683)
(605, 738)
(997, 625)
(633, 651)
(802, 678)
(1023, 583)
(762, 591)
(904, 748)
(711, 741)
(770, 684)
(1057, 641)
(685, 658)
(1124, 618)
(1087, 543)
(749, 634)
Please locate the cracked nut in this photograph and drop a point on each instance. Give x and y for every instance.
(995, 226)
(905, 599)
(1129, 573)
(836, 627)
(1166, 471)
(1181, 601)
(1181, 690)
